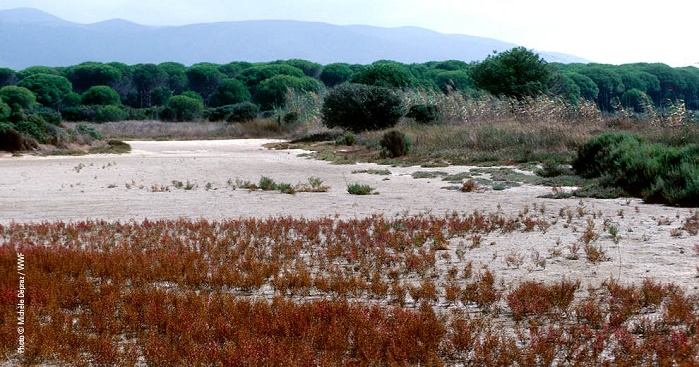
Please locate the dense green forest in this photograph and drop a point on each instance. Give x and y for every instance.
(33, 99)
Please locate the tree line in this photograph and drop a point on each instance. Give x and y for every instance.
(239, 91)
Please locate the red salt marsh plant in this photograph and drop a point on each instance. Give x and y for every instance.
(285, 291)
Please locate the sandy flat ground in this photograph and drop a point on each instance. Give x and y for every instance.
(127, 187)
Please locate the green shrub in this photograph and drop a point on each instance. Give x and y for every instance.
(594, 157)
(395, 144)
(20, 97)
(358, 108)
(109, 113)
(239, 112)
(5, 110)
(49, 115)
(33, 127)
(286, 188)
(81, 113)
(552, 168)
(347, 139)
(360, 189)
(88, 130)
(291, 117)
(656, 172)
(185, 107)
(422, 114)
(101, 95)
(267, 184)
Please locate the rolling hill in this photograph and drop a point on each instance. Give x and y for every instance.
(32, 37)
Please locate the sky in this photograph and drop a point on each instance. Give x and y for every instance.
(604, 31)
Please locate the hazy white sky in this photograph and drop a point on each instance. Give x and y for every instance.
(606, 31)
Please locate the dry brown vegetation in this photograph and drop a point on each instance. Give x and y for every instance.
(285, 291)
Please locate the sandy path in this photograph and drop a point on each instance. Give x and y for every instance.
(119, 187)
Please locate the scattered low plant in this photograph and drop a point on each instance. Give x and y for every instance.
(360, 189)
(380, 172)
(267, 184)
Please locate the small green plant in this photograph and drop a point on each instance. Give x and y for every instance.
(286, 188)
(499, 187)
(360, 189)
(348, 139)
(267, 184)
(183, 186)
(614, 232)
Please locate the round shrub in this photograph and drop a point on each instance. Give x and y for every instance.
(272, 92)
(101, 95)
(357, 108)
(109, 113)
(385, 74)
(395, 144)
(185, 108)
(230, 91)
(595, 158)
(17, 97)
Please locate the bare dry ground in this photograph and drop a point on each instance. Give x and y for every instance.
(651, 241)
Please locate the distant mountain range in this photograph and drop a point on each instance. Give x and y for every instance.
(30, 37)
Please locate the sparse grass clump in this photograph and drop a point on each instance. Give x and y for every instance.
(112, 147)
(380, 172)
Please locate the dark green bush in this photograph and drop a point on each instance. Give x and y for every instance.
(81, 113)
(595, 156)
(101, 95)
(33, 128)
(49, 115)
(239, 112)
(185, 107)
(656, 172)
(291, 117)
(423, 114)
(347, 139)
(395, 144)
(109, 113)
(5, 110)
(358, 108)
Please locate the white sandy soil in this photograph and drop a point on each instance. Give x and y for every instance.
(127, 187)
